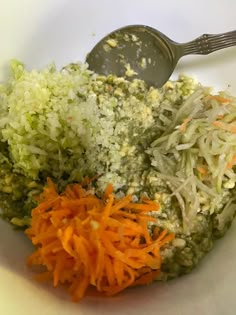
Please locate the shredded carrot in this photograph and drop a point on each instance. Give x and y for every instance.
(220, 99)
(225, 126)
(231, 163)
(90, 242)
(183, 126)
(108, 191)
(202, 170)
(220, 117)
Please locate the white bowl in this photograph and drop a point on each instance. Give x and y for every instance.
(41, 31)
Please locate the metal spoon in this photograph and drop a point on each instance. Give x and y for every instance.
(145, 53)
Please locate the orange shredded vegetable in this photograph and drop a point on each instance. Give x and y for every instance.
(84, 241)
(220, 99)
(202, 170)
(220, 117)
(183, 126)
(231, 163)
(225, 126)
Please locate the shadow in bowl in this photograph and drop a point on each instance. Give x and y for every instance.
(14, 248)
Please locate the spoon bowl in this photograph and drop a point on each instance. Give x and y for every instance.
(139, 51)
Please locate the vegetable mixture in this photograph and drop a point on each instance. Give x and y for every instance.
(162, 164)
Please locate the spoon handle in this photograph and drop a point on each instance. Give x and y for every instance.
(209, 43)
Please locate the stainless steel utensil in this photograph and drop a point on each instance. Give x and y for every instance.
(142, 51)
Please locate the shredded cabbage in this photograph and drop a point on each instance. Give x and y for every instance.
(197, 152)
